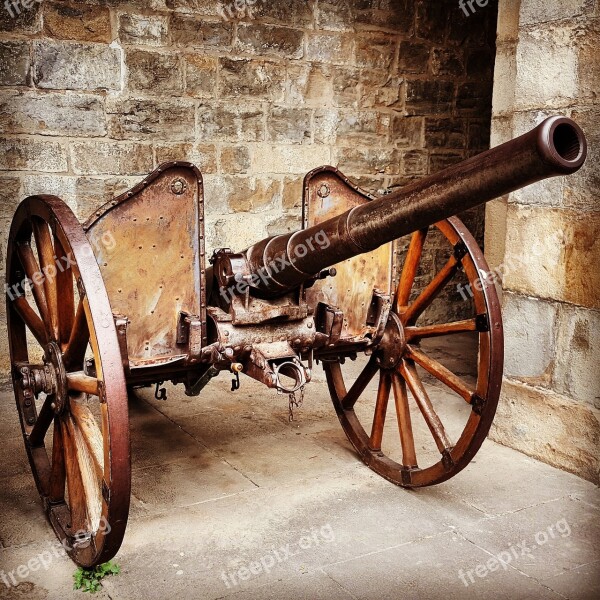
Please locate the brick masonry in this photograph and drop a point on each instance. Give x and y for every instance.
(547, 238)
(95, 94)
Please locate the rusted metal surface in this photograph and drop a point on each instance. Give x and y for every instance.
(154, 267)
(328, 193)
(144, 309)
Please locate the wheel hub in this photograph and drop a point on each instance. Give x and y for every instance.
(49, 378)
(393, 344)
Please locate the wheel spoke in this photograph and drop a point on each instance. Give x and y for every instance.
(87, 470)
(78, 340)
(430, 331)
(77, 500)
(33, 273)
(383, 394)
(441, 373)
(45, 249)
(31, 320)
(66, 304)
(58, 475)
(409, 372)
(409, 455)
(360, 384)
(429, 294)
(91, 433)
(80, 382)
(44, 419)
(409, 271)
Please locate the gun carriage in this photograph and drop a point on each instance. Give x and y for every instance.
(87, 319)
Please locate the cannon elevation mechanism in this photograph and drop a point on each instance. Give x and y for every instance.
(131, 298)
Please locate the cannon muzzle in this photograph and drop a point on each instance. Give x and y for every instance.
(555, 147)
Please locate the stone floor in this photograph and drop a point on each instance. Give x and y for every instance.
(232, 500)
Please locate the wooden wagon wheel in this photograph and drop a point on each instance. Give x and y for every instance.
(399, 356)
(68, 379)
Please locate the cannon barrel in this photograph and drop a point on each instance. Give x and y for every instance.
(555, 147)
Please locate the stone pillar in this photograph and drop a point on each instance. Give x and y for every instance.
(545, 240)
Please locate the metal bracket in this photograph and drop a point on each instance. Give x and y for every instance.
(406, 475)
(189, 332)
(121, 324)
(460, 250)
(235, 382)
(101, 392)
(447, 459)
(482, 323)
(202, 382)
(160, 393)
(105, 492)
(378, 314)
(329, 320)
(80, 288)
(478, 404)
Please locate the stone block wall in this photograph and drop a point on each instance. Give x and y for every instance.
(95, 94)
(546, 239)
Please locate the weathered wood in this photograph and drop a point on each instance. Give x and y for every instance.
(32, 270)
(360, 384)
(407, 440)
(430, 331)
(58, 475)
(89, 480)
(440, 372)
(429, 294)
(91, 433)
(44, 419)
(80, 382)
(64, 283)
(78, 340)
(48, 267)
(421, 397)
(31, 320)
(383, 394)
(75, 488)
(409, 271)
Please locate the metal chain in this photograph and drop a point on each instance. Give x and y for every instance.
(295, 402)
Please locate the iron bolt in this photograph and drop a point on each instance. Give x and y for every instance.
(31, 420)
(178, 186)
(27, 403)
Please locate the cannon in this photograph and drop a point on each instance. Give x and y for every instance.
(130, 298)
